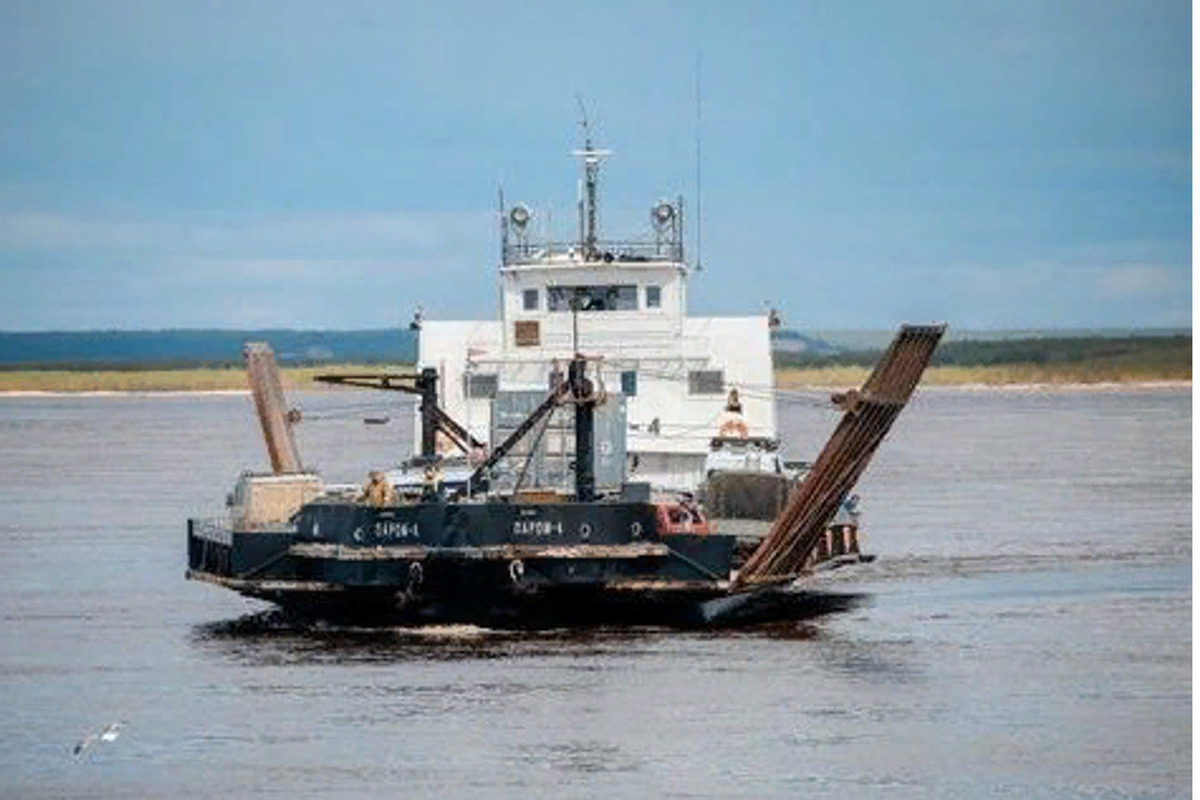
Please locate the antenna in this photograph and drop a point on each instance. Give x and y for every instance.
(699, 216)
(503, 227)
(584, 230)
(591, 177)
(583, 121)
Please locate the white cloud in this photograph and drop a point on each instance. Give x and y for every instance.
(185, 271)
(1138, 280)
(1038, 294)
(325, 271)
(261, 239)
(35, 231)
(414, 231)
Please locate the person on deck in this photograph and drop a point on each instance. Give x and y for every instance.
(730, 423)
(378, 491)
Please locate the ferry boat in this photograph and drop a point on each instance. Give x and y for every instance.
(624, 303)
(522, 559)
(586, 417)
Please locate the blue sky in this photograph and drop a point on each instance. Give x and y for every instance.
(332, 165)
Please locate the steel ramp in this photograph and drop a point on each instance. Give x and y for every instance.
(869, 415)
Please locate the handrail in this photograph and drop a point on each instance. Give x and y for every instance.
(607, 251)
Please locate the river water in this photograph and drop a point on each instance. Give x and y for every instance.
(1025, 631)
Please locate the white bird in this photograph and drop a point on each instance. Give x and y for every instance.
(109, 734)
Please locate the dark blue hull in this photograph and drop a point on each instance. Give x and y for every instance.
(497, 564)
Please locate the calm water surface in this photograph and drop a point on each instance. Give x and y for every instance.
(1026, 631)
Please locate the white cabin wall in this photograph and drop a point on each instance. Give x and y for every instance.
(739, 346)
(445, 345)
(742, 346)
(662, 345)
(609, 332)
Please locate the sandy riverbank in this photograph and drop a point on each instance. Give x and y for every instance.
(133, 393)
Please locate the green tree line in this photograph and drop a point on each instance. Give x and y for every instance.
(1165, 352)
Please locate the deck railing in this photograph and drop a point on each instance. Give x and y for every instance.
(606, 251)
(213, 529)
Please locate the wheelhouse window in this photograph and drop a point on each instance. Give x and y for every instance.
(614, 297)
(481, 385)
(530, 299)
(653, 297)
(629, 383)
(706, 381)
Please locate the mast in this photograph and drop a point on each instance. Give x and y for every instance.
(584, 397)
(503, 227)
(426, 385)
(591, 180)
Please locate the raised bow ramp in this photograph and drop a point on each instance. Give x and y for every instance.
(869, 415)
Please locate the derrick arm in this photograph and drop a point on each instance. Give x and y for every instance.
(869, 415)
(477, 480)
(271, 405)
(423, 384)
(391, 381)
(457, 433)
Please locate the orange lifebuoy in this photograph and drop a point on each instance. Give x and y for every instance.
(680, 518)
(734, 428)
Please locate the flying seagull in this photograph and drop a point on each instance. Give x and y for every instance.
(109, 734)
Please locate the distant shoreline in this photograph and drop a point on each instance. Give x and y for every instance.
(1020, 376)
(1046, 363)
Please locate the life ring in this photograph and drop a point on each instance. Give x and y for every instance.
(734, 428)
(675, 518)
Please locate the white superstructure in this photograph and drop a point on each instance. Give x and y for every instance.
(624, 303)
